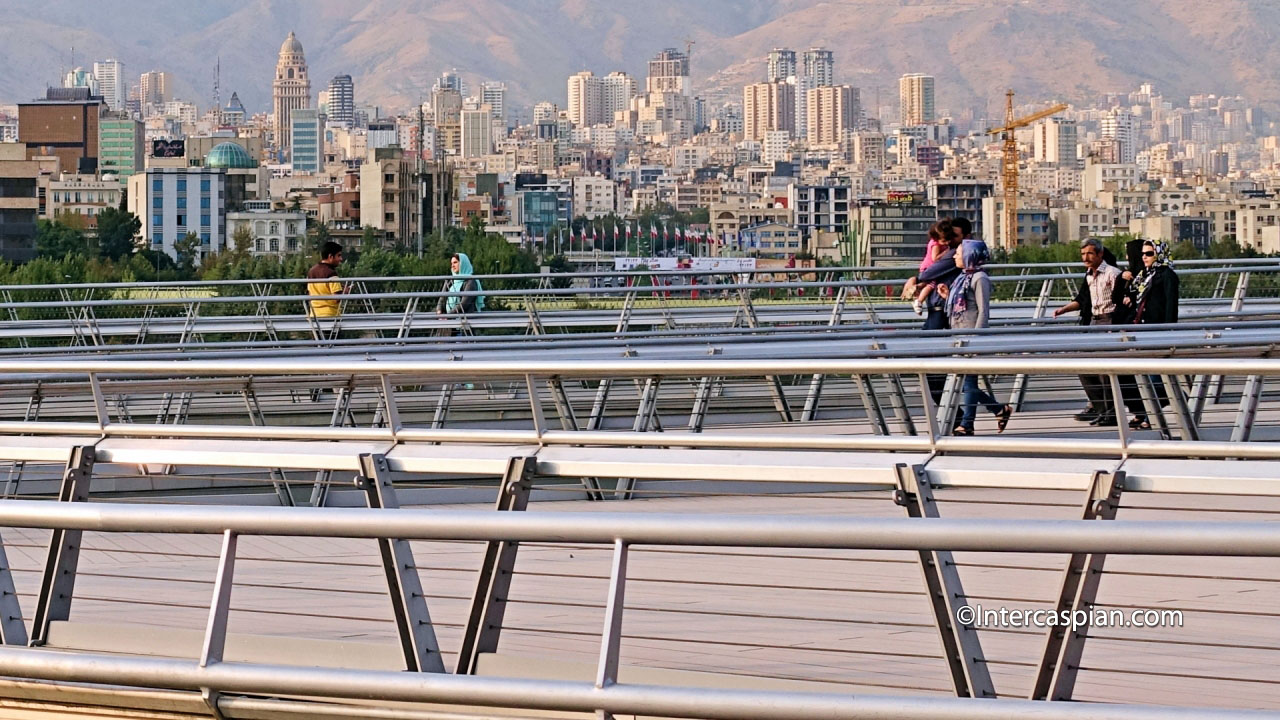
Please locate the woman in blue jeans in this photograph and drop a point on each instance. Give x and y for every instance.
(969, 306)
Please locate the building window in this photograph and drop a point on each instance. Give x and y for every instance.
(204, 220)
(157, 220)
(182, 184)
(182, 221)
(292, 244)
(275, 228)
(204, 203)
(157, 202)
(182, 203)
(157, 184)
(275, 245)
(157, 238)
(204, 184)
(259, 245)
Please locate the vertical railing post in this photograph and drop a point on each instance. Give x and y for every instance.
(611, 637)
(57, 583)
(489, 601)
(961, 647)
(408, 603)
(1064, 645)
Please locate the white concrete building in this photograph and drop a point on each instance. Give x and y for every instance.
(594, 196)
(1055, 142)
(274, 232)
(776, 146)
(111, 83)
(174, 201)
(83, 195)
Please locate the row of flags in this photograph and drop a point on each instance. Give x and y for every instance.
(655, 232)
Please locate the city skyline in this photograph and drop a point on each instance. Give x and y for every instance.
(726, 49)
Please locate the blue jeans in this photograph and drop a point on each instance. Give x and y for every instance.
(974, 394)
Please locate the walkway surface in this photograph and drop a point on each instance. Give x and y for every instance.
(858, 620)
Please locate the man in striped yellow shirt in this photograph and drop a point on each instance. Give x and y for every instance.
(323, 280)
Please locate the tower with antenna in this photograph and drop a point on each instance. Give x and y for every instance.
(217, 90)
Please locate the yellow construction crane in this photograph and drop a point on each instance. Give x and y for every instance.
(1009, 165)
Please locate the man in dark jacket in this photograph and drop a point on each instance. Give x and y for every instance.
(1100, 301)
(942, 272)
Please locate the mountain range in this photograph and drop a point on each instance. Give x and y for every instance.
(1061, 49)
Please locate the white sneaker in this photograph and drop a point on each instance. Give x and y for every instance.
(918, 307)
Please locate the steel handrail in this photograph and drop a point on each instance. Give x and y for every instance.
(1243, 263)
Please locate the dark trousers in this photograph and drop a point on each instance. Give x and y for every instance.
(1098, 389)
(937, 319)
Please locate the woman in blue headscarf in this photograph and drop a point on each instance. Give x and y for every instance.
(969, 307)
(463, 282)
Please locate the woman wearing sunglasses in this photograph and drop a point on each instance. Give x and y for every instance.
(1153, 299)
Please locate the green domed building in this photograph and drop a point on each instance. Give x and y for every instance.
(229, 156)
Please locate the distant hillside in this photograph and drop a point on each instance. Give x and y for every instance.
(394, 48)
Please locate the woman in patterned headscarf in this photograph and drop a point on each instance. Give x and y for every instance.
(969, 306)
(1154, 292)
(1153, 299)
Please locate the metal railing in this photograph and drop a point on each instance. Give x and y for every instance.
(930, 539)
(1189, 383)
(256, 307)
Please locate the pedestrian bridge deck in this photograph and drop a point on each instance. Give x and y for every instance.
(854, 619)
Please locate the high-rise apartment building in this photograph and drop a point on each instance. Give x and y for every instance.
(120, 145)
(342, 100)
(290, 90)
(494, 94)
(616, 91)
(669, 73)
(833, 111)
(819, 64)
(782, 64)
(802, 84)
(1119, 127)
(1055, 142)
(155, 88)
(111, 83)
(767, 106)
(449, 80)
(477, 132)
(81, 78)
(306, 128)
(446, 105)
(915, 98)
(585, 99)
(544, 112)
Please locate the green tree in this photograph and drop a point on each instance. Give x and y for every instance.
(317, 236)
(559, 264)
(117, 230)
(188, 251)
(241, 246)
(369, 238)
(59, 238)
